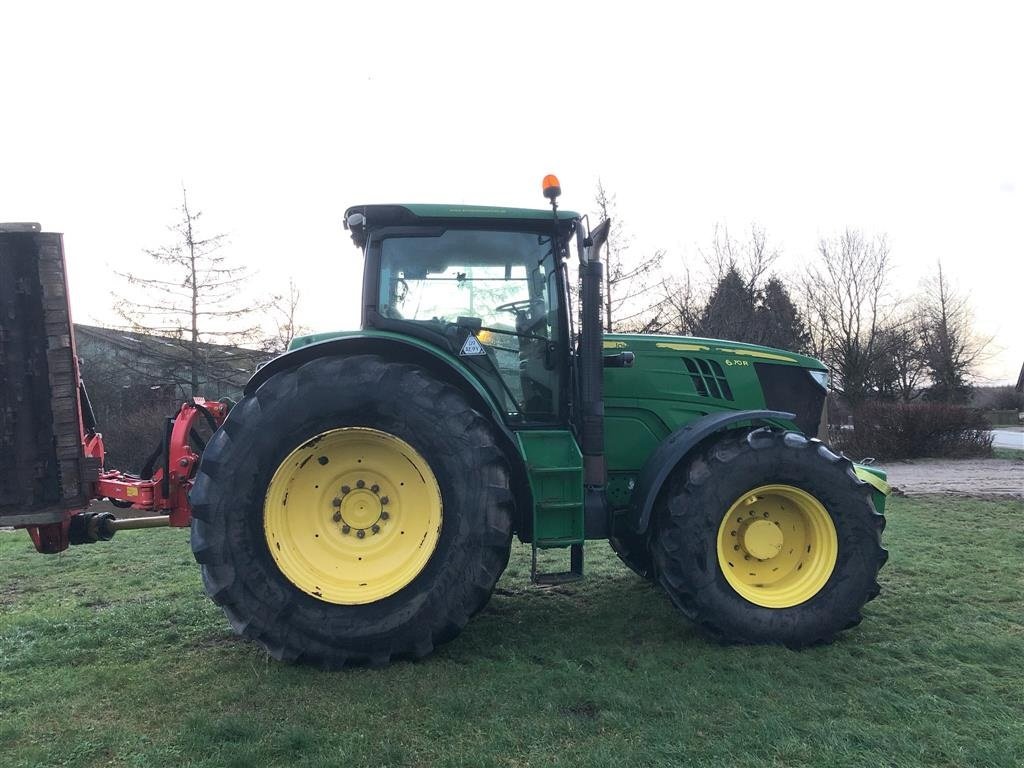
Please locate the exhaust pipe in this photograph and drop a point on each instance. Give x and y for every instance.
(592, 359)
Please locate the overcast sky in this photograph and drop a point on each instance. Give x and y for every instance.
(897, 118)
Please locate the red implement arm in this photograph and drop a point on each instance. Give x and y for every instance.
(165, 492)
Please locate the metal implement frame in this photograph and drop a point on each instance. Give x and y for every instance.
(165, 492)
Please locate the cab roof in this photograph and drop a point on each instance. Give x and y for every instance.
(375, 216)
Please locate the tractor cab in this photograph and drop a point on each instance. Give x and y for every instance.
(485, 285)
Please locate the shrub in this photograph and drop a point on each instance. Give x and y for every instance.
(915, 430)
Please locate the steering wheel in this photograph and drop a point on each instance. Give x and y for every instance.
(515, 307)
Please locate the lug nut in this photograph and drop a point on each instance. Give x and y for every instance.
(376, 528)
(375, 488)
(384, 499)
(337, 517)
(360, 484)
(360, 533)
(345, 529)
(384, 516)
(335, 502)
(345, 489)
(323, 460)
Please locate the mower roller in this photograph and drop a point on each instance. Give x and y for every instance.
(358, 504)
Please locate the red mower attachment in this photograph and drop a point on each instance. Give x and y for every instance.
(51, 454)
(163, 487)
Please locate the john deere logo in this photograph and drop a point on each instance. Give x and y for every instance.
(472, 347)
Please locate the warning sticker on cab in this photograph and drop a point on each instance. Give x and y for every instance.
(471, 347)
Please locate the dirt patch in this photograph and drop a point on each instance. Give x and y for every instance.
(8, 595)
(983, 478)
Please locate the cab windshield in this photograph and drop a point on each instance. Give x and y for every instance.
(498, 287)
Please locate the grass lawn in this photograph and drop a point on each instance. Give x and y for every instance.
(1008, 453)
(110, 655)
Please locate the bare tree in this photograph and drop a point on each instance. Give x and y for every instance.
(901, 370)
(752, 258)
(847, 311)
(191, 299)
(680, 304)
(283, 310)
(952, 349)
(631, 286)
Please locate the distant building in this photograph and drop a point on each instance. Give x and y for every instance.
(114, 359)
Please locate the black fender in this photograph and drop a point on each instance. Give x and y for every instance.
(673, 449)
(440, 364)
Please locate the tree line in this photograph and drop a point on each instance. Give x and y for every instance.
(879, 343)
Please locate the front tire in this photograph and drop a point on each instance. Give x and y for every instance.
(769, 538)
(350, 511)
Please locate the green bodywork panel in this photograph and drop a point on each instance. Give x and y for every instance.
(876, 478)
(657, 395)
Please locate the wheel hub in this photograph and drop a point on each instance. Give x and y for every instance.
(361, 509)
(777, 546)
(762, 539)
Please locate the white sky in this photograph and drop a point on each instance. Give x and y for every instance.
(903, 118)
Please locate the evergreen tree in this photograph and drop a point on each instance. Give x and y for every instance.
(779, 322)
(730, 311)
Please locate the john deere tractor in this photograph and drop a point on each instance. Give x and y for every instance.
(359, 503)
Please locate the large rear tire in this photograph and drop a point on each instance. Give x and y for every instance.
(769, 538)
(350, 511)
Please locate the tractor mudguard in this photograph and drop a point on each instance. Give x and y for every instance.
(673, 449)
(390, 345)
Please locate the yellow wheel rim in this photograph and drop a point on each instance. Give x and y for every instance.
(352, 516)
(777, 546)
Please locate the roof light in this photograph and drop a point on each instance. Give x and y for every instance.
(552, 187)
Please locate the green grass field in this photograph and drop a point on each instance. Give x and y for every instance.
(1007, 453)
(110, 655)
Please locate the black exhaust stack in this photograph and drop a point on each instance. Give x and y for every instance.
(592, 359)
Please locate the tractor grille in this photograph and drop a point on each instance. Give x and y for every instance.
(708, 378)
(788, 388)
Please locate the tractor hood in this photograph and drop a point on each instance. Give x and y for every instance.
(706, 375)
(667, 345)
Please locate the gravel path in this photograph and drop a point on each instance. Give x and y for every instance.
(967, 477)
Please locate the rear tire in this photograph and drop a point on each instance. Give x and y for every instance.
(694, 523)
(261, 437)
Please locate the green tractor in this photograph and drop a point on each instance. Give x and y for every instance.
(359, 503)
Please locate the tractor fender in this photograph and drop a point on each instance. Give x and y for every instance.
(673, 449)
(440, 364)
